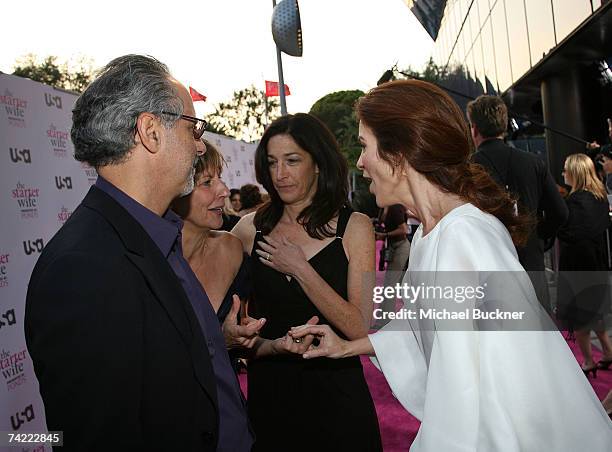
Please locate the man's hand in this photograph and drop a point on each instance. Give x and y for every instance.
(243, 335)
(593, 145)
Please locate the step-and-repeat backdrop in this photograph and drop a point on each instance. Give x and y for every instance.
(40, 186)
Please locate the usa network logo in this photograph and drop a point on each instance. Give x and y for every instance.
(15, 109)
(7, 319)
(27, 200)
(20, 155)
(63, 215)
(22, 417)
(53, 100)
(4, 262)
(12, 368)
(58, 139)
(63, 182)
(33, 246)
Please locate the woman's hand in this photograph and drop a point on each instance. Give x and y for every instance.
(283, 256)
(380, 235)
(299, 346)
(330, 345)
(244, 335)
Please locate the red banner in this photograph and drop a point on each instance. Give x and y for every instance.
(195, 96)
(272, 89)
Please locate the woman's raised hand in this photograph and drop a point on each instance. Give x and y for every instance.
(282, 255)
(330, 345)
(244, 335)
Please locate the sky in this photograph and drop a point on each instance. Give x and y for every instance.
(221, 46)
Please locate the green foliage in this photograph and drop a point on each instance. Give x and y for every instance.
(337, 112)
(244, 116)
(435, 74)
(457, 82)
(73, 75)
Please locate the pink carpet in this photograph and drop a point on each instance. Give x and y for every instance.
(398, 428)
(603, 383)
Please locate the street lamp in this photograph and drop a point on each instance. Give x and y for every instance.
(287, 34)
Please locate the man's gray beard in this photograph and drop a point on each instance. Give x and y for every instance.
(189, 185)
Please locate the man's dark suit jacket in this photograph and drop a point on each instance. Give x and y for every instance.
(528, 178)
(120, 357)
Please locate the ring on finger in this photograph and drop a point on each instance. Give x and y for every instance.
(298, 340)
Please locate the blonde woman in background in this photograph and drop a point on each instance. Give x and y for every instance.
(582, 241)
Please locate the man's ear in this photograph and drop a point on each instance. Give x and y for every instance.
(474, 130)
(148, 131)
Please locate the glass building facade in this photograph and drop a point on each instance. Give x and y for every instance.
(548, 59)
(498, 41)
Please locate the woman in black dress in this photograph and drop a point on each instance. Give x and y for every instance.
(583, 294)
(312, 259)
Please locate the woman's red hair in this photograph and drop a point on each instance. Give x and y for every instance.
(416, 122)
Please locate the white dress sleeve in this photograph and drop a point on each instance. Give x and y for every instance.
(399, 357)
(510, 391)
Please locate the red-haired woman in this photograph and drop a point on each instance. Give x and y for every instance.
(472, 389)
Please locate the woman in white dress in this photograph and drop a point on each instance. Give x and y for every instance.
(472, 390)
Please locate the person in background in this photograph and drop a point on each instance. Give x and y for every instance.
(582, 260)
(235, 199)
(126, 347)
(313, 259)
(602, 149)
(523, 175)
(472, 389)
(607, 404)
(365, 202)
(396, 240)
(413, 225)
(230, 216)
(606, 165)
(250, 199)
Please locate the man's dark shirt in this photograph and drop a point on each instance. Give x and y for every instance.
(234, 433)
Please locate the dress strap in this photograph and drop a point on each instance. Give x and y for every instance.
(343, 219)
(258, 236)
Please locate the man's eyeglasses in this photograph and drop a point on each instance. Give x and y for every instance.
(199, 124)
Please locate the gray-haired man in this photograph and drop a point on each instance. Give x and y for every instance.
(126, 347)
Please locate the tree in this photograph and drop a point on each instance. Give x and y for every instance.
(71, 75)
(337, 112)
(244, 116)
(456, 80)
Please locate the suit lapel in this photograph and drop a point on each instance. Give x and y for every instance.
(166, 292)
(146, 256)
(170, 294)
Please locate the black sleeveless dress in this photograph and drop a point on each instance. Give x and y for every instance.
(296, 404)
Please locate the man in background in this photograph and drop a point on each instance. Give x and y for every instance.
(602, 154)
(523, 175)
(235, 199)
